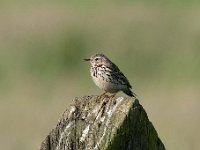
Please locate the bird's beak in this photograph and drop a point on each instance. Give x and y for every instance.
(88, 59)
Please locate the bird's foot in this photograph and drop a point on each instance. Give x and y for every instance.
(100, 96)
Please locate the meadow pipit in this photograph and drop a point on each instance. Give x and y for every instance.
(107, 76)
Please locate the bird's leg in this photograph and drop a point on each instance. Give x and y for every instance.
(99, 97)
(113, 95)
(104, 93)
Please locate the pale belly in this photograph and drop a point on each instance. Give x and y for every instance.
(106, 85)
(103, 82)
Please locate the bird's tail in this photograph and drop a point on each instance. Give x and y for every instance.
(129, 93)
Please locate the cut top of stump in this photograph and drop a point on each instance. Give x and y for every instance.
(117, 123)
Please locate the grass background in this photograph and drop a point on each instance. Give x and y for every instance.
(42, 43)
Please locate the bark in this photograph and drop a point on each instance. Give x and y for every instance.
(117, 124)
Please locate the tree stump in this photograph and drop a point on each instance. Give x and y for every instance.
(107, 124)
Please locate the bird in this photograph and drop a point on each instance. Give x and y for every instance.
(108, 77)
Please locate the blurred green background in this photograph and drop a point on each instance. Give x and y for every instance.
(42, 45)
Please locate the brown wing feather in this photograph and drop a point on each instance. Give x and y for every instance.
(118, 75)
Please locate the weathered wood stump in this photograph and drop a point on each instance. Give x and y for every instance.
(117, 124)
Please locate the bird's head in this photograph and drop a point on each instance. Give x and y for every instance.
(98, 60)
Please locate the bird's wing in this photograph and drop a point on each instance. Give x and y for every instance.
(118, 76)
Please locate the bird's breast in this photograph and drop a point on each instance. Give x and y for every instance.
(102, 79)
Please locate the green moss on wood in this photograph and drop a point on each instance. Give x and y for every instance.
(121, 124)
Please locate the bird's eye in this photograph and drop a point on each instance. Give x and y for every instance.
(96, 59)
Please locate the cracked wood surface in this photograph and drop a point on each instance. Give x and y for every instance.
(90, 125)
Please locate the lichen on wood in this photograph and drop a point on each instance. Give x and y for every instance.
(118, 123)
